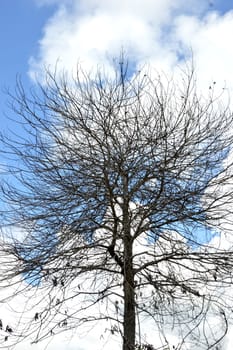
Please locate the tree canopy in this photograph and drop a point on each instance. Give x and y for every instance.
(119, 185)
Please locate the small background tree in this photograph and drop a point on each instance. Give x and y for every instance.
(118, 186)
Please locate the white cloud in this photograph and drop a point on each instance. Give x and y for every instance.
(92, 31)
(160, 32)
(210, 40)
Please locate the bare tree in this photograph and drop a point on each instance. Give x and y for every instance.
(118, 185)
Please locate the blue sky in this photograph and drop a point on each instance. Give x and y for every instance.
(21, 26)
(38, 33)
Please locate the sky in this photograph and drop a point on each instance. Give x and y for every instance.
(167, 34)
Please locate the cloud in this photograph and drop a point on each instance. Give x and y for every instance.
(162, 33)
(93, 31)
(209, 39)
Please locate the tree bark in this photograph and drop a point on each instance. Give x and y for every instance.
(129, 326)
(129, 307)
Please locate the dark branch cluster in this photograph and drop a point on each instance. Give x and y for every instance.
(118, 186)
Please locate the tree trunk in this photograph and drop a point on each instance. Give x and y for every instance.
(129, 304)
(129, 326)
